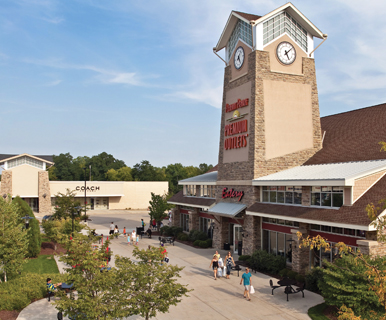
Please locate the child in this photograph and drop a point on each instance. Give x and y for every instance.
(137, 240)
(124, 231)
(128, 240)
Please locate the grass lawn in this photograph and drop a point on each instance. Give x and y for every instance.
(44, 238)
(42, 264)
(316, 313)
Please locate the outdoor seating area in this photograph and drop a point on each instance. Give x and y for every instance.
(165, 240)
(287, 283)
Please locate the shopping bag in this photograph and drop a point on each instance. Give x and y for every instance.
(252, 290)
(224, 272)
(219, 272)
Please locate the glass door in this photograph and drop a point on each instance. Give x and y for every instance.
(237, 239)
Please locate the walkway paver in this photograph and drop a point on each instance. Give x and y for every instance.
(209, 299)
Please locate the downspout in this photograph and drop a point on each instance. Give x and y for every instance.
(215, 52)
(324, 39)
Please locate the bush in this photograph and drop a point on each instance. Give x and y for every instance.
(197, 235)
(183, 236)
(209, 243)
(312, 279)
(174, 231)
(18, 293)
(164, 231)
(203, 244)
(283, 273)
(34, 238)
(197, 243)
(292, 274)
(263, 261)
(244, 257)
(299, 278)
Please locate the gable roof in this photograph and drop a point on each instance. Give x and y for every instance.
(255, 19)
(352, 136)
(44, 158)
(206, 178)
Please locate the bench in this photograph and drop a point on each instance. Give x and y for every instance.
(272, 286)
(237, 268)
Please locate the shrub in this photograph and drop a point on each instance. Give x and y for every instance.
(300, 278)
(284, 272)
(244, 257)
(183, 237)
(203, 244)
(263, 261)
(197, 243)
(34, 238)
(312, 279)
(174, 231)
(197, 235)
(209, 243)
(18, 293)
(164, 231)
(292, 274)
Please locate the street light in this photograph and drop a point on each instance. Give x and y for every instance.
(78, 209)
(27, 218)
(85, 196)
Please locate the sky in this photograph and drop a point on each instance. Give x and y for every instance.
(139, 80)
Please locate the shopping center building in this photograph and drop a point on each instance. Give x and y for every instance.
(26, 176)
(281, 168)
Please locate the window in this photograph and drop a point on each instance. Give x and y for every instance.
(25, 160)
(327, 196)
(278, 243)
(184, 221)
(241, 31)
(281, 222)
(338, 230)
(190, 190)
(206, 225)
(208, 191)
(281, 194)
(284, 23)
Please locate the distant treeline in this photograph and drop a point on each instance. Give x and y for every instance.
(104, 167)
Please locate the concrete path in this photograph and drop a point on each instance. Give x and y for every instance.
(210, 299)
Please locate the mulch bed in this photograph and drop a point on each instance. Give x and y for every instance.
(49, 248)
(9, 315)
(331, 312)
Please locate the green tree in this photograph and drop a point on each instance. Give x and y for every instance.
(101, 163)
(13, 239)
(174, 173)
(145, 287)
(158, 207)
(62, 169)
(65, 205)
(204, 168)
(144, 171)
(33, 232)
(122, 174)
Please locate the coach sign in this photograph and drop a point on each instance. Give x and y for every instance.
(88, 188)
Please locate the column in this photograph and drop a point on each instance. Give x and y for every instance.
(300, 256)
(252, 234)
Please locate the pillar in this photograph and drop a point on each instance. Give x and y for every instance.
(300, 256)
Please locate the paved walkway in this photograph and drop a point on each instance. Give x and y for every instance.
(210, 299)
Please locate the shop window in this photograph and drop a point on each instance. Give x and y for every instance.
(272, 242)
(190, 190)
(184, 222)
(207, 191)
(206, 225)
(278, 243)
(281, 194)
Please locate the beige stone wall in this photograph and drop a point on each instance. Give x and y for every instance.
(371, 247)
(6, 182)
(363, 184)
(306, 196)
(300, 256)
(25, 181)
(44, 193)
(252, 238)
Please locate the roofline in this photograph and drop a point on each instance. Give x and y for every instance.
(191, 205)
(318, 33)
(328, 223)
(209, 183)
(26, 154)
(310, 182)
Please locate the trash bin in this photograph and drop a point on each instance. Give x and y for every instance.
(227, 246)
(139, 230)
(240, 248)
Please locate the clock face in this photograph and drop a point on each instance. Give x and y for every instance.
(286, 52)
(239, 57)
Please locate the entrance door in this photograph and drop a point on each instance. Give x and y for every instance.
(237, 239)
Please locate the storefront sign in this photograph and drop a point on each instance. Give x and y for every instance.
(234, 106)
(91, 188)
(232, 193)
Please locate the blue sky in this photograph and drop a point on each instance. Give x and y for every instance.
(139, 80)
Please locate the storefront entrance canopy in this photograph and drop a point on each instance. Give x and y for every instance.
(229, 210)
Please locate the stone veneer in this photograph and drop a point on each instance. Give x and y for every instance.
(300, 256)
(6, 182)
(257, 166)
(371, 247)
(44, 193)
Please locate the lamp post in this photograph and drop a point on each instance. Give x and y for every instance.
(78, 209)
(85, 196)
(27, 218)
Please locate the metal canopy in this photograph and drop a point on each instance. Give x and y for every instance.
(227, 209)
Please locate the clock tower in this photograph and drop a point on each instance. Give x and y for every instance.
(270, 110)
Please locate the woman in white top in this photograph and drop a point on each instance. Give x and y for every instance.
(133, 236)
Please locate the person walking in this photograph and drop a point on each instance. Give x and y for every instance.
(247, 283)
(128, 239)
(228, 263)
(142, 223)
(112, 228)
(116, 231)
(214, 263)
(154, 224)
(217, 255)
(133, 236)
